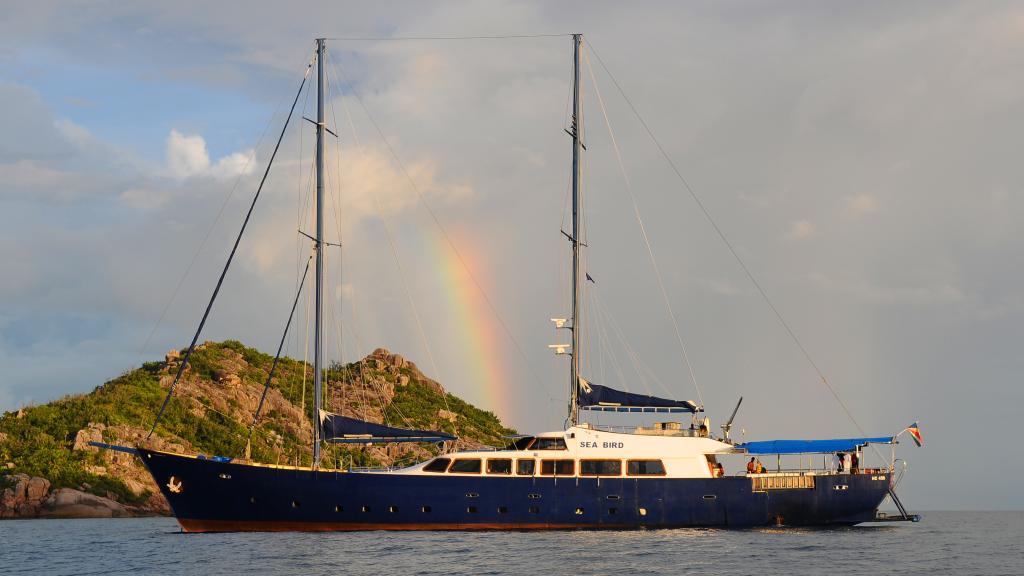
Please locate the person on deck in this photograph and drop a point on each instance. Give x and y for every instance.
(751, 466)
(840, 460)
(760, 468)
(855, 464)
(719, 470)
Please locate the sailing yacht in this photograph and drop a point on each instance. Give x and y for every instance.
(582, 476)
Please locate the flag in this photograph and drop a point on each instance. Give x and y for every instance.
(590, 278)
(915, 433)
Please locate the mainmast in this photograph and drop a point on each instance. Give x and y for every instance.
(574, 378)
(319, 247)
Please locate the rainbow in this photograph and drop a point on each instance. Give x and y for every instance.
(479, 331)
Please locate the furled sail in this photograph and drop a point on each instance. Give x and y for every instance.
(602, 398)
(339, 429)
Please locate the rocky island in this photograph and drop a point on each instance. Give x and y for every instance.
(49, 469)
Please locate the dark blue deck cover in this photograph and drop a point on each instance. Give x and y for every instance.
(811, 446)
(597, 397)
(344, 430)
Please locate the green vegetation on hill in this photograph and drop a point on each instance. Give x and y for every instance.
(212, 410)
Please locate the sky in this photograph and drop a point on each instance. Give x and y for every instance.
(862, 159)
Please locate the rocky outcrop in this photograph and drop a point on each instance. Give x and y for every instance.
(70, 503)
(24, 497)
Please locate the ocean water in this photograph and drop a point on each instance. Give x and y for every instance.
(961, 543)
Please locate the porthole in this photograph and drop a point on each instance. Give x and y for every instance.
(392, 509)
(642, 511)
(472, 495)
(366, 508)
(533, 496)
(710, 497)
(502, 509)
(613, 497)
(579, 511)
(296, 504)
(471, 510)
(534, 510)
(224, 476)
(252, 500)
(425, 509)
(339, 508)
(613, 511)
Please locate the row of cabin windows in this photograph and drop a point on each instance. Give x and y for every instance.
(526, 467)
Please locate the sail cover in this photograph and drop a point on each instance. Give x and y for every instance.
(811, 446)
(340, 429)
(602, 398)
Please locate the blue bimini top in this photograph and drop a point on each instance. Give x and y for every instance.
(812, 446)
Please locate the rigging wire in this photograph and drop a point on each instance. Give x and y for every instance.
(277, 357)
(398, 263)
(209, 231)
(729, 245)
(231, 256)
(444, 233)
(643, 233)
(481, 37)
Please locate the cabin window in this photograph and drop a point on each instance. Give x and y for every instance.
(525, 467)
(520, 443)
(600, 467)
(499, 465)
(437, 465)
(465, 466)
(548, 444)
(645, 468)
(557, 467)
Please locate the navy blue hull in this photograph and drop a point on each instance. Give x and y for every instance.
(219, 496)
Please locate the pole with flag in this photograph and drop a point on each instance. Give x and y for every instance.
(915, 433)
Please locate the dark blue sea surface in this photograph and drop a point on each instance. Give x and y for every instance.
(961, 543)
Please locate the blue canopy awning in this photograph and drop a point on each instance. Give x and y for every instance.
(811, 446)
(338, 429)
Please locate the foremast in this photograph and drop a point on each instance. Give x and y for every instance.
(577, 146)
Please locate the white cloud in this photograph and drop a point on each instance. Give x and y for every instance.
(801, 230)
(188, 157)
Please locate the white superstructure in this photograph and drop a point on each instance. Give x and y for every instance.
(586, 451)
